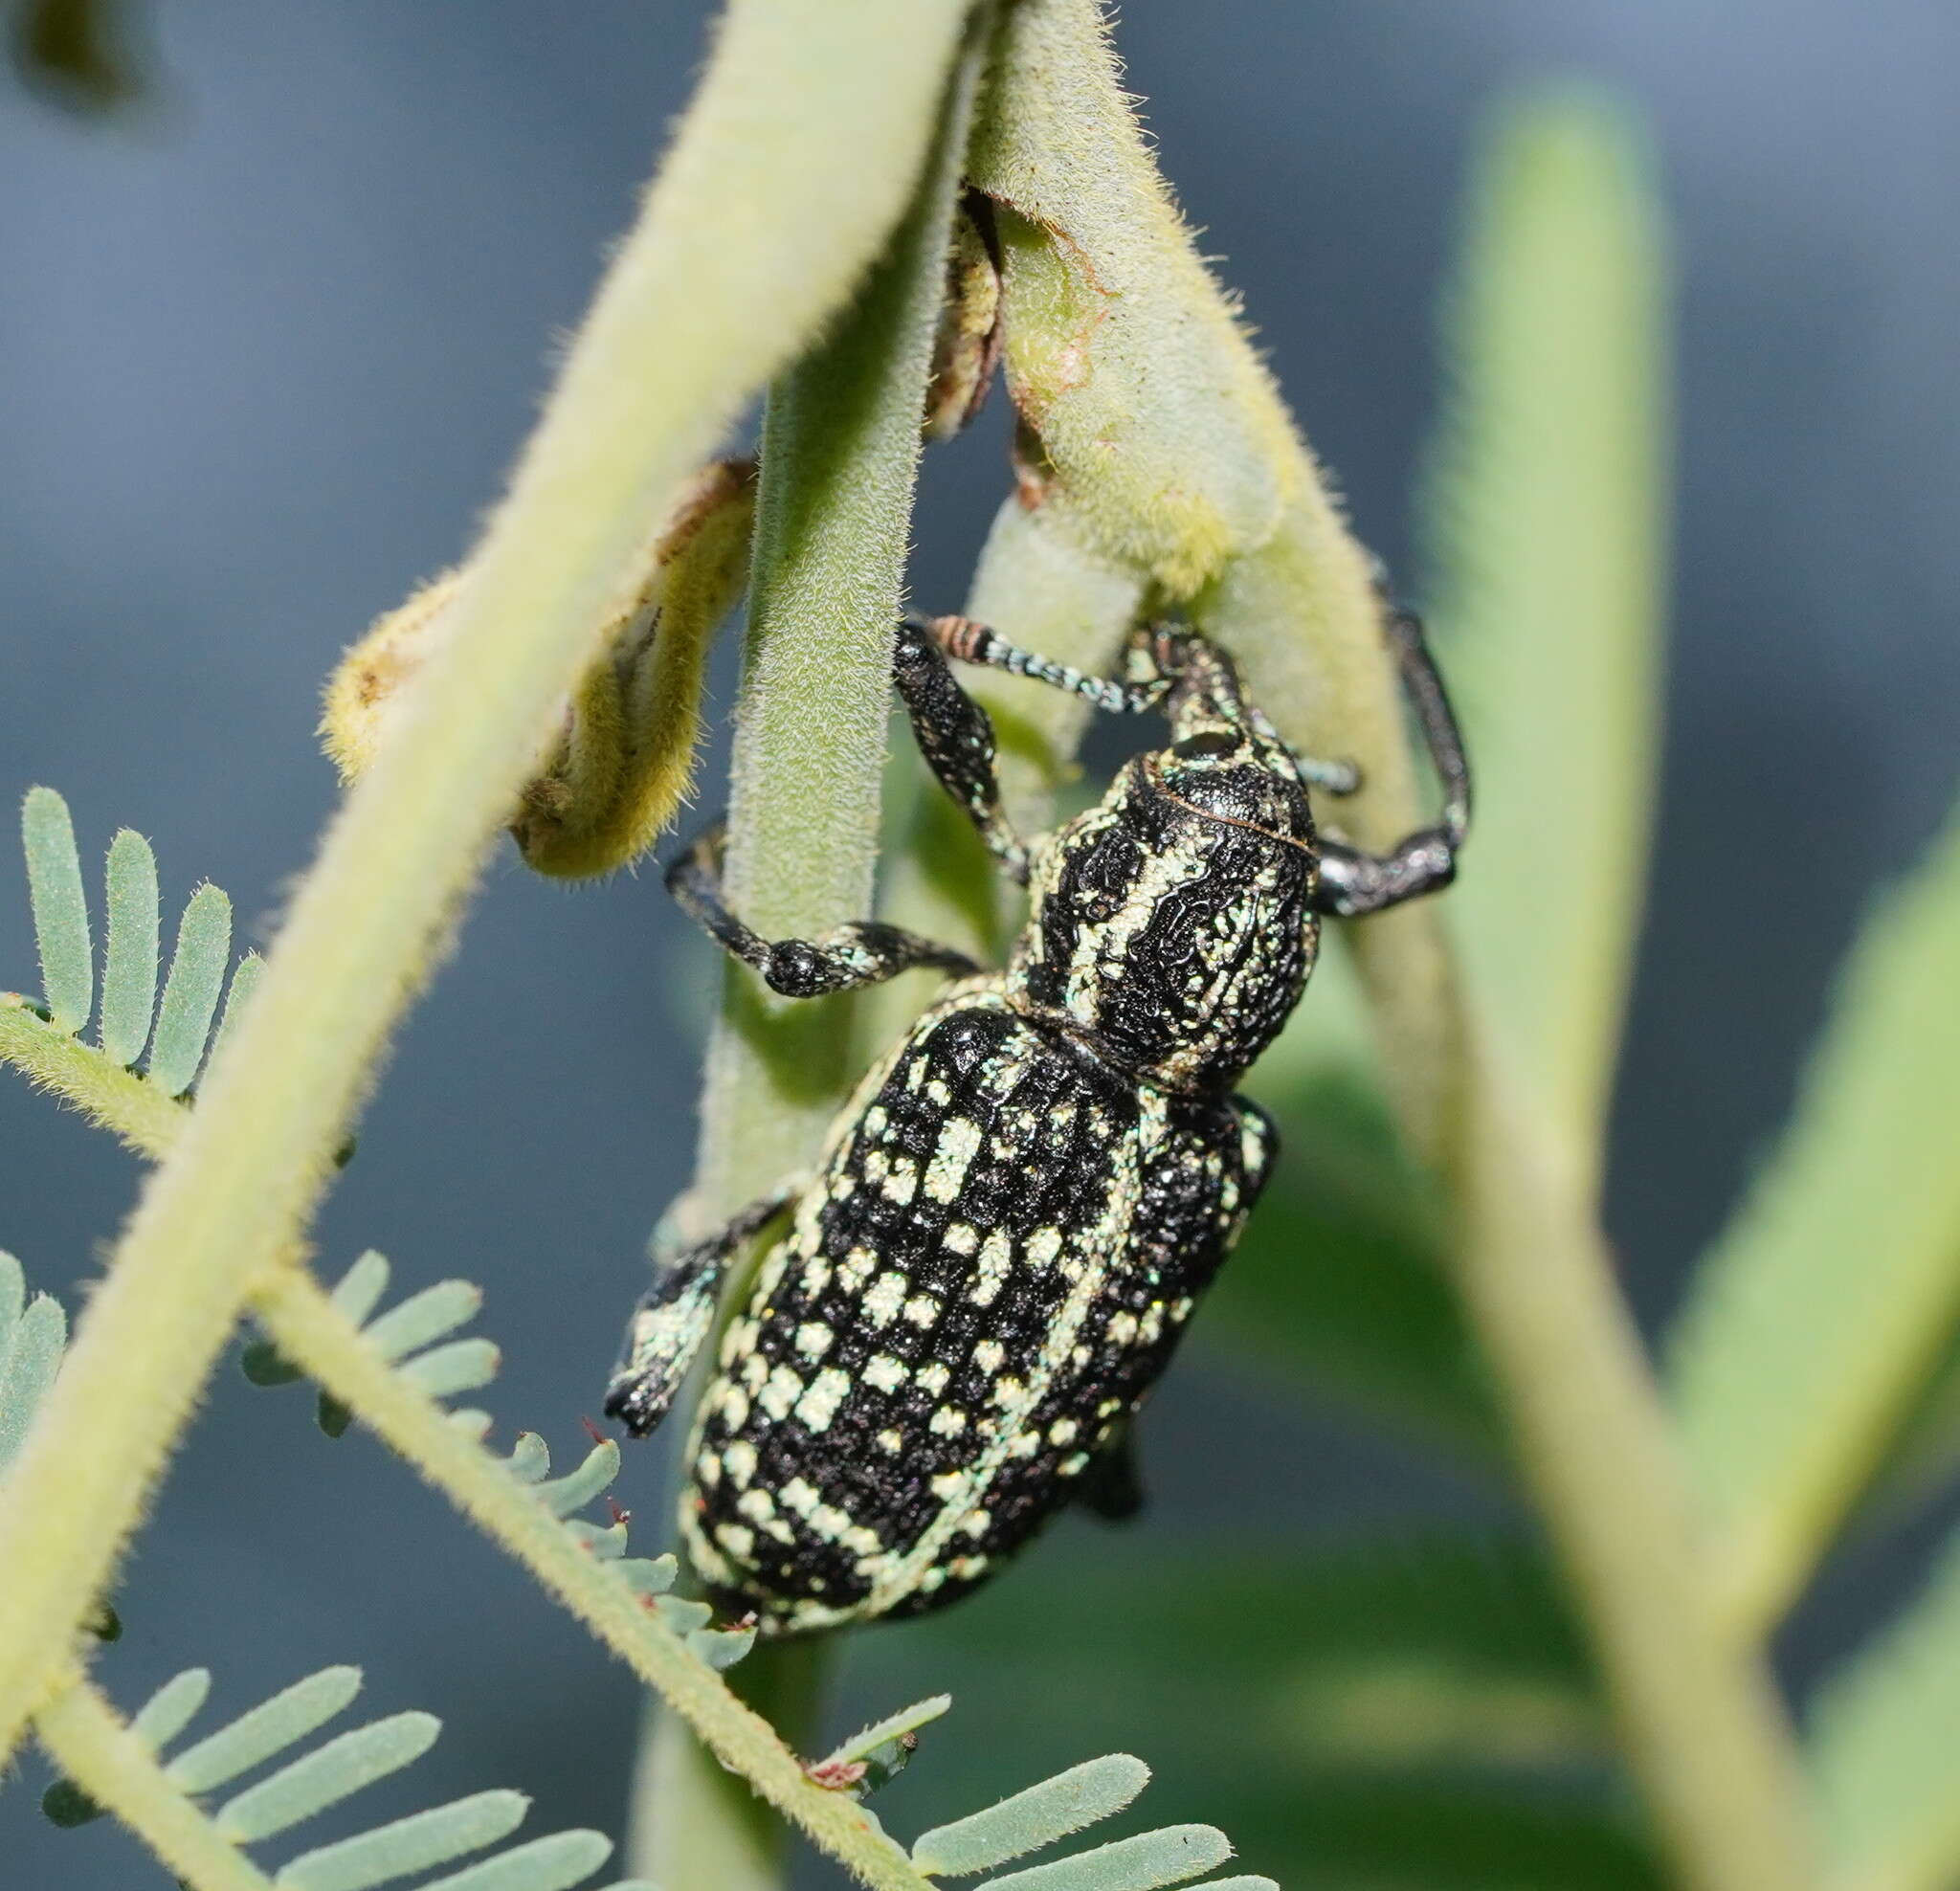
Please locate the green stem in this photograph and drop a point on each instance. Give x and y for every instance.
(791, 166)
(87, 1739)
(693, 1822)
(1703, 1730)
(839, 461)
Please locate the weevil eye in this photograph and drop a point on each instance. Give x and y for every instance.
(1199, 748)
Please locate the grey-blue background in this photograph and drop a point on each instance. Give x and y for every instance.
(263, 355)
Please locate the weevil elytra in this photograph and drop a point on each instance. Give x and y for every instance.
(1014, 1217)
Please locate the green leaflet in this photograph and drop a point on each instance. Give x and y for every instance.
(54, 877)
(129, 962)
(1543, 519)
(269, 1728)
(1035, 1816)
(244, 981)
(408, 1845)
(1839, 1274)
(1151, 1859)
(191, 992)
(327, 1775)
(171, 1709)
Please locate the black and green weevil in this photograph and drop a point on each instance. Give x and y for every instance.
(1014, 1215)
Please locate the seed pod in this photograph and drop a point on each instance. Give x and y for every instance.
(369, 679)
(966, 349)
(625, 762)
(624, 759)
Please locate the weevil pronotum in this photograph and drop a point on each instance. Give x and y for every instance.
(1014, 1217)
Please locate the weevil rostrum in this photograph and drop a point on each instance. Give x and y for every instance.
(1017, 1212)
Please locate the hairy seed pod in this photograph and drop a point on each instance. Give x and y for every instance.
(623, 761)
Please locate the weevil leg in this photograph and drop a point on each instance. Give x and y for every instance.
(864, 952)
(974, 643)
(955, 734)
(1354, 882)
(1110, 1485)
(675, 1314)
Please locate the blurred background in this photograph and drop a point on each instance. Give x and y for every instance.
(267, 342)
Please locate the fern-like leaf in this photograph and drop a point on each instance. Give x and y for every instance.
(315, 1776)
(415, 1337)
(43, 1039)
(1886, 1747)
(32, 1336)
(1543, 517)
(1840, 1273)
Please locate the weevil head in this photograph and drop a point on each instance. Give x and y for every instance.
(1171, 923)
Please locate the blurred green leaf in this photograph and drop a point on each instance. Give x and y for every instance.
(1923, 1453)
(1413, 1714)
(1337, 1279)
(1831, 1299)
(1543, 521)
(1886, 1747)
(1437, 1835)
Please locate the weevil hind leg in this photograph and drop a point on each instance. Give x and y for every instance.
(1354, 882)
(864, 952)
(676, 1313)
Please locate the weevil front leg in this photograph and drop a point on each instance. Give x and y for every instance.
(955, 734)
(864, 952)
(676, 1312)
(1354, 882)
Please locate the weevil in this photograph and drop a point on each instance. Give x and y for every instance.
(1015, 1215)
